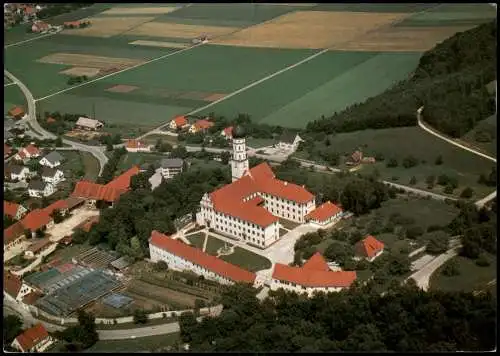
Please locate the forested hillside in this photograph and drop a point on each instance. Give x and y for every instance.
(450, 81)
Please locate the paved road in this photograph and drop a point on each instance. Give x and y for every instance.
(97, 152)
(27, 317)
(418, 191)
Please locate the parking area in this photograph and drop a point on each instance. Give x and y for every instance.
(58, 231)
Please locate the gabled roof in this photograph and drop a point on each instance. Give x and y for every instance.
(316, 263)
(180, 121)
(123, 180)
(369, 246)
(203, 124)
(16, 111)
(32, 150)
(32, 337)
(11, 284)
(12, 233)
(59, 205)
(17, 169)
(10, 209)
(171, 163)
(54, 157)
(85, 121)
(228, 131)
(49, 172)
(314, 275)
(200, 258)
(36, 219)
(136, 144)
(287, 137)
(324, 211)
(37, 185)
(31, 298)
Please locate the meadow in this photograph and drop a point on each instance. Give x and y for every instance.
(13, 96)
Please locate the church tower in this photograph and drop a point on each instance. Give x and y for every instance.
(239, 161)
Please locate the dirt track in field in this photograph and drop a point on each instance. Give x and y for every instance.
(80, 71)
(310, 29)
(174, 30)
(86, 60)
(108, 26)
(159, 44)
(122, 88)
(158, 10)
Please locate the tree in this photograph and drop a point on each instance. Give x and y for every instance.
(39, 233)
(58, 141)
(398, 264)
(28, 234)
(393, 162)
(12, 326)
(225, 157)
(410, 161)
(437, 243)
(439, 160)
(140, 316)
(448, 189)
(430, 180)
(80, 336)
(467, 193)
(188, 324)
(451, 268)
(79, 236)
(413, 180)
(57, 216)
(109, 147)
(161, 266)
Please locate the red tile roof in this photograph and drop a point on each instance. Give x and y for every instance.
(324, 211)
(7, 150)
(316, 263)
(60, 205)
(10, 208)
(123, 180)
(12, 233)
(180, 121)
(32, 150)
(203, 124)
(32, 337)
(11, 284)
(200, 258)
(36, 219)
(16, 111)
(314, 275)
(228, 131)
(31, 298)
(50, 120)
(369, 246)
(135, 144)
(230, 199)
(29, 10)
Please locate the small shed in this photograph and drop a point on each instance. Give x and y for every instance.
(121, 263)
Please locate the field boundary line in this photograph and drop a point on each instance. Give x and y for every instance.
(120, 71)
(29, 39)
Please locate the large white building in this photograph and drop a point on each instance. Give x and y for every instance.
(250, 207)
(181, 257)
(314, 276)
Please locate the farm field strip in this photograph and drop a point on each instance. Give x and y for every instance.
(29, 40)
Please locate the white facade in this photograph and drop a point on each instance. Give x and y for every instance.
(25, 173)
(56, 179)
(41, 346)
(171, 172)
(289, 286)
(239, 162)
(291, 146)
(25, 290)
(45, 162)
(288, 209)
(332, 220)
(180, 264)
(48, 191)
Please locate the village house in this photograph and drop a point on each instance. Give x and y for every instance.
(61, 205)
(13, 287)
(72, 24)
(84, 123)
(325, 214)
(227, 133)
(13, 210)
(137, 146)
(13, 236)
(27, 153)
(289, 141)
(38, 189)
(181, 257)
(179, 122)
(33, 340)
(37, 247)
(314, 276)
(37, 219)
(52, 175)
(7, 151)
(29, 13)
(200, 126)
(17, 113)
(369, 248)
(249, 208)
(19, 173)
(358, 158)
(170, 167)
(40, 26)
(52, 160)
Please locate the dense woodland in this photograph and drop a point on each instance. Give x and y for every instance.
(360, 319)
(450, 82)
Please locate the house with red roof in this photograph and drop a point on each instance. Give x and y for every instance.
(34, 339)
(40, 26)
(201, 126)
(16, 112)
(137, 146)
(27, 153)
(180, 256)
(13, 236)
(179, 122)
(13, 210)
(13, 287)
(326, 214)
(37, 219)
(314, 276)
(369, 248)
(227, 132)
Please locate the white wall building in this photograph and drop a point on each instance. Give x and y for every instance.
(170, 167)
(33, 340)
(52, 160)
(19, 172)
(52, 175)
(289, 142)
(181, 257)
(38, 189)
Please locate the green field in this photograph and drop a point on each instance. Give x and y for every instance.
(197, 239)
(488, 125)
(376, 7)
(247, 260)
(155, 343)
(328, 83)
(13, 96)
(137, 158)
(76, 160)
(471, 278)
(414, 141)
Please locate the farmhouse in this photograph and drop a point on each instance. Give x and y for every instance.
(170, 167)
(180, 256)
(18, 172)
(137, 146)
(84, 123)
(37, 219)
(52, 160)
(40, 26)
(13, 236)
(313, 276)
(289, 141)
(60, 205)
(13, 287)
(227, 132)
(13, 210)
(178, 123)
(201, 126)
(369, 248)
(326, 214)
(52, 175)
(38, 189)
(27, 153)
(249, 207)
(34, 339)
(37, 247)
(16, 112)
(7, 151)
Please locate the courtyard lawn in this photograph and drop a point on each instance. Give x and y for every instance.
(488, 125)
(247, 260)
(400, 143)
(214, 244)
(206, 164)
(471, 277)
(157, 343)
(304, 93)
(197, 239)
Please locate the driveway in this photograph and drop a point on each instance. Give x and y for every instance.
(58, 231)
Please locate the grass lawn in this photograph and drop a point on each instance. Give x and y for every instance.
(137, 158)
(247, 260)
(400, 143)
(206, 164)
(471, 277)
(151, 139)
(149, 343)
(260, 142)
(76, 160)
(214, 244)
(488, 125)
(13, 96)
(197, 239)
